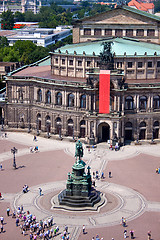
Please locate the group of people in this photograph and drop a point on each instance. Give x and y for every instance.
(33, 149)
(29, 225)
(116, 147)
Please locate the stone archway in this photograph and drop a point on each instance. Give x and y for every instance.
(103, 132)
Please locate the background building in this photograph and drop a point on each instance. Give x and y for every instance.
(75, 96)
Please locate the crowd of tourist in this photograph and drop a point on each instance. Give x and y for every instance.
(30, 226)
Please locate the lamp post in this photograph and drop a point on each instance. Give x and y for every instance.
(14, 150)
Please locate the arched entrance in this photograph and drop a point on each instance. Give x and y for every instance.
(128, 131)
(103, 132)
(156, 130)
(142, 132)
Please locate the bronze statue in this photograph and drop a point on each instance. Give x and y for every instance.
(79, 150)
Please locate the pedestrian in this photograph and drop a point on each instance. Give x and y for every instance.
(132, 234)
(149, 235)
(159, 170)
(102, 175)
(17, 222)
(8, 211)
(93, 174)
(31, 149)
(156, 170)
(1, 166)
(34, 138)
(84, 228)
(40, 191)
(110, 174)
(2, 219)
(125, 233)
(66, 229)
(1, 228)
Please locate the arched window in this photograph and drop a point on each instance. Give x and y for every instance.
(59, 99)
(48, 97)
(142, 125)
(128, 125)
(156, 102)
(83, 101)
(129, 103)
(70, 100)
(143, 103)
(39, 95)
(156, 124)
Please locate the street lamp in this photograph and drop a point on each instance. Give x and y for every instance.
(14, 150)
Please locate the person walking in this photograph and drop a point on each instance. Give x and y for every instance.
(125, 233)
(1, 166)
(132, 234)
(1, 228)
(8, 211)
(2, 219)
(149, 235)
(40, 191)
(84, 229)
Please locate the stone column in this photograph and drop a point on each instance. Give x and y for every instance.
(122, 105)
(145, 32)
(138, 103)
(113, 32)
(118, 103)
(103, 32)
(134, 32)
(151, 102)
(115, 103)
(92, 32)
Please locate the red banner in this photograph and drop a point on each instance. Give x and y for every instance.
(104, 91)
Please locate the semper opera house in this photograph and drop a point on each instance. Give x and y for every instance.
(73, 94)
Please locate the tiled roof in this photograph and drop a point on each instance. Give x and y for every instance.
(45, 73)
(140, 5)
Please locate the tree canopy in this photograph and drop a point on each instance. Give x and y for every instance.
(7, 20)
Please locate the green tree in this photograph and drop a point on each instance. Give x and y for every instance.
(19, 17)
(3, 42)
(37, 54)
(156, 6)
(7, 20)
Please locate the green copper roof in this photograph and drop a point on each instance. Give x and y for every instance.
(119, 47)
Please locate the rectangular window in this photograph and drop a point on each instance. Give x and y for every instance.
(63, 61)
(140, 64)
(87, 31)
(79, 63)
(56, 60)
(88, 63)
(140, 33)
(158, 63)
(97, 31)
(108, 32)
(151, 32)
(129, 32)
(149, 64)
(71, 62)
(119, 33)
(119, 64)
(129, 64)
